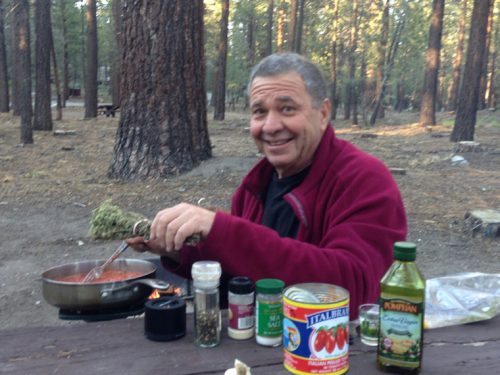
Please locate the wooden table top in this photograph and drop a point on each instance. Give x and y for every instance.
(120, 347)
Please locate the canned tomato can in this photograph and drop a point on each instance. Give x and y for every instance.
(316, 329)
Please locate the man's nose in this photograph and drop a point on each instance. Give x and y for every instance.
(273, 122)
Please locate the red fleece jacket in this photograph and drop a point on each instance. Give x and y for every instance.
(350, 212)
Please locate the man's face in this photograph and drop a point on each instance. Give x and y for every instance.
(284, 124)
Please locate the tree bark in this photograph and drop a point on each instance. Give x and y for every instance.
(429, 91)
(21, 18)
(350, 89)
(457, 63)
(382, 50)
(163, 128)
(334, 97)
(280, 34)
(116, 54)
(42, 119)
(220, 75)
(91, 76)
(299, 27)
(59, 94)
(484, 73)
(292, 25)
(65, 58)
(465, 119)
(4, 78)
(491, 94)
(268, 49)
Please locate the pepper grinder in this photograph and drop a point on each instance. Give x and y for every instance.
(207, 317)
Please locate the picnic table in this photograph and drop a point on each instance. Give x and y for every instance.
(120, 347)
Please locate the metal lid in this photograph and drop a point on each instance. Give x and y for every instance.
(269, 286)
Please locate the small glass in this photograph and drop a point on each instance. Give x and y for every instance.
(368, 323)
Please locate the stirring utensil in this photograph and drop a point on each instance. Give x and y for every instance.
(97, 271)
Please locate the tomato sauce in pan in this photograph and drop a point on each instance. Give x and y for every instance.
(107, 276)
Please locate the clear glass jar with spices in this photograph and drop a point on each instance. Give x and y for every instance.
(207, 318)
(269, 312)
(241, 298)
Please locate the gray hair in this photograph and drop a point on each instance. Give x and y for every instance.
(281, 63)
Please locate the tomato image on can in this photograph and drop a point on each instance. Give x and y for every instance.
(315, 329)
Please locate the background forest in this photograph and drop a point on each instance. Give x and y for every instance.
(376, 54)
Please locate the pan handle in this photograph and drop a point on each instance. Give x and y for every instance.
(131, 289)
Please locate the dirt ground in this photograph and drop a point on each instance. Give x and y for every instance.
(48, 190)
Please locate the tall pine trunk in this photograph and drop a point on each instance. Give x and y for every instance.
(465, 119)
(163, 127)
(457, 63)
(42, 119)
(220, 76)
(429, 92)
(334, 96)
(4, 78)
(91, 76)
(22, 67)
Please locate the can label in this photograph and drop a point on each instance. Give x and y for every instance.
(241, 316)
(316, 335)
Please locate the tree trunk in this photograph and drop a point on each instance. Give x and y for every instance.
(42, 119)
(429, 91)
(334, 97)
(280, 34)
(465, 119)
(65, 59)
(299, 27)
(220, 75)
(382, 50)
(391, 55)
(268, 49)
(350, 90)
(292, 25)
(91, 76)
(491, 94)
(4, 78)
(116, 54)
(59, 94)
(163, 126)
(21, 18)
(484, 74)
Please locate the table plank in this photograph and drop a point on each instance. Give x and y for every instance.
(120, 347)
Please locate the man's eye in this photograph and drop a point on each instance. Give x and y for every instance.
(257, 111)
(288, 109)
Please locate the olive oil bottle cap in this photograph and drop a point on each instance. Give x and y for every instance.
(405, 251)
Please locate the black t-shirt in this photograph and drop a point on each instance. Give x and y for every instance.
(278, 214)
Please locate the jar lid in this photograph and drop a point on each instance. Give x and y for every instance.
(206, 274)
(241, 285)
(269, 286)
(405, 251)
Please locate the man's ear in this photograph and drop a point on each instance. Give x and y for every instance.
(325, 111)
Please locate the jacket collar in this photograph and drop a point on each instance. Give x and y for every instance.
(259, 176)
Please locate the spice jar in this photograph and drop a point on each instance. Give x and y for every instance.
(269, 312)
(241, 308)
(207, 319)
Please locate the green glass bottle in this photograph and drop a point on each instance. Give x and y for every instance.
(402, 298)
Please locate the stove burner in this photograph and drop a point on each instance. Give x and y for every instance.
(100, 315)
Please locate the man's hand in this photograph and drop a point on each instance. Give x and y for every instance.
(172, 226)
(141, 245)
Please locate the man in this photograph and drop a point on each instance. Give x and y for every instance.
(315, 209)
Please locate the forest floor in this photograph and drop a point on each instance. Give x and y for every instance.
(49, 189)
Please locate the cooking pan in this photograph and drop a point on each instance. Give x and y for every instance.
(100, 295)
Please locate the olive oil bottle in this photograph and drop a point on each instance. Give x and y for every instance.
(402, 298)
